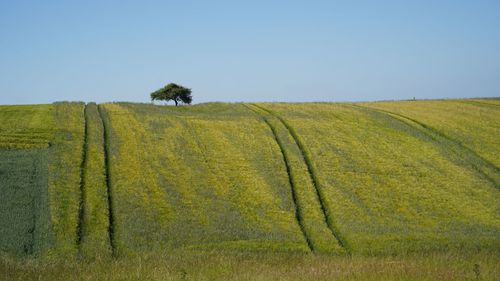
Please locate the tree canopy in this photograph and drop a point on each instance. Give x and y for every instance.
(173, 92)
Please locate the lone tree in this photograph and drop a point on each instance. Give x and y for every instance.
(173, 92)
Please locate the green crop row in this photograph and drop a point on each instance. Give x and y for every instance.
(94, 232)
(64, 168)
(16, 140)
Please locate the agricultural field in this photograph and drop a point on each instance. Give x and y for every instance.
(325, 190)
(206, 176)
(23, 201)
(472, 126)
(26, 126)
(389, 187)
(65, 176)
(41, 151)
(25, 133)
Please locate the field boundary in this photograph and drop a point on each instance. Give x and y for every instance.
(108, 185)
(440, 137)
(298, 215)
(81, 205)
(312, 173)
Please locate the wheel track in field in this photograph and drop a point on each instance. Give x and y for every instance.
(298, 215)
(444, 140)
(81, 204)
(111, 216)
(315, 180)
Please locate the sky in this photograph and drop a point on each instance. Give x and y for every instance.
(232, 51)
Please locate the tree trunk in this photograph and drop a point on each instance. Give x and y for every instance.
(176, 102)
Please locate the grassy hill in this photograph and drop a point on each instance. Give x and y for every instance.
(124, 179)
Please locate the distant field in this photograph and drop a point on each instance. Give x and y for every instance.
(121, 180)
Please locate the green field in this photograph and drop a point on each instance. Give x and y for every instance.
(24, 225)
(354, 186)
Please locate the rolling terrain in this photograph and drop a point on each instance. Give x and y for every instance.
(334, 179)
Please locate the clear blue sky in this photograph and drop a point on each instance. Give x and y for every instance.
(249, 50)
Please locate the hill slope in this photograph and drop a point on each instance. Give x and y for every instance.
(371, 178)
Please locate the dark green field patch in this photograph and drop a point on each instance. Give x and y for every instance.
(24, 228)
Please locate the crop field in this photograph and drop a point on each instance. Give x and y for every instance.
(26, 126)
(200, 180)
(25, 132)
(352, 186)
(23, 207)
(389, 187)
(41, 148)
(472, 126)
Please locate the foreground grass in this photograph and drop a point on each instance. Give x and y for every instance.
(258, 266)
